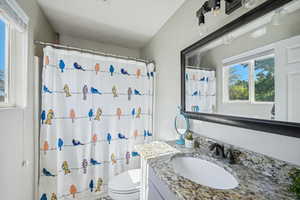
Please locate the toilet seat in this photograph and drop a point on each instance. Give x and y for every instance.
(125, 186)
(125, 192)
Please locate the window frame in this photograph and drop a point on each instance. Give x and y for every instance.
(251, 79)
(8, 99)
(16, 63)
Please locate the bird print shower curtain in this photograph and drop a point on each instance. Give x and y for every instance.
(200, 90)
(94, 110)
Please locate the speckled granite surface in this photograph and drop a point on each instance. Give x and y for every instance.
(259, 177)
(155, 149)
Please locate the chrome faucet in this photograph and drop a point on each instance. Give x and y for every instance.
(219, 150)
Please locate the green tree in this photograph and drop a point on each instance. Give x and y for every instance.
(238, 88)
(264, 80)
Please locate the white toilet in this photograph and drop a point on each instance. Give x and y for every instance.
(125, 186)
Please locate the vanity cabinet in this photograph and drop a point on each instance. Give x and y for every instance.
(157, 190)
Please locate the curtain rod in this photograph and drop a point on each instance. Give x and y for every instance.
(201, 68)
(92, 51)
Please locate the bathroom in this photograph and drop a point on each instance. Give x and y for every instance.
(158, 100)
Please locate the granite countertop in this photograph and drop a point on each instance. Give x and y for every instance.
(252, 185)
(155, 149)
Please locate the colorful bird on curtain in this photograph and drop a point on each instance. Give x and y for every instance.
(50, 116)
(76, 142)
(121, 136)
(65, 168)
(108, 138)
(119, 113)
(73, 190)
(91, 114)
(91, 185)
(133, 112)
(85, 90)
(135, 134)
(124, 72)
(46, 90)
(129, 92)
(138, 73)
(43, 116)
(84, 165)
(95, 162)
(97, 68)
(99, 185)
(45, 147)
(62, 65)
(136, 92)
(113, 159)
(127, 156)
(43, 197)
(67, 90)
(94, 138)
(195, 93)
(98, 114)
(194, 77)
(111, 70)
(135, 154)
(47, 61)
(47, 173)
(60, 143)
(53, 196)
(72, 115)
(149, 134)
(152, 74)
(77, 66)
(95, 91)
(114, 91)
(139, 112)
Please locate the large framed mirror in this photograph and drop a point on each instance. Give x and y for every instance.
(247, 73)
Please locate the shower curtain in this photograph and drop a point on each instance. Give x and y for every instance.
(200, 90)
(94, 110)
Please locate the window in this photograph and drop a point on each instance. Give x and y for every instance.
(13, 55)
(3, 62)
(250, 81)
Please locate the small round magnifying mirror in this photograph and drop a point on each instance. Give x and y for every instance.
(181, 127)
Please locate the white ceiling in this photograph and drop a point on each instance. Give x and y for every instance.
(128, 23)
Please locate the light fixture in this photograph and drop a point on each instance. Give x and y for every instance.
(200, 13)
(215, 6)
(248, 4)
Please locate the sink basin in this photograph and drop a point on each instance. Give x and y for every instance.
(204, 172)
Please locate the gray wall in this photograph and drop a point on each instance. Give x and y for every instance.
(178, 33)
(17, 125)
(107, 48)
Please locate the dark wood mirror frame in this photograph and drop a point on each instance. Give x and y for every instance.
(277, 127)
